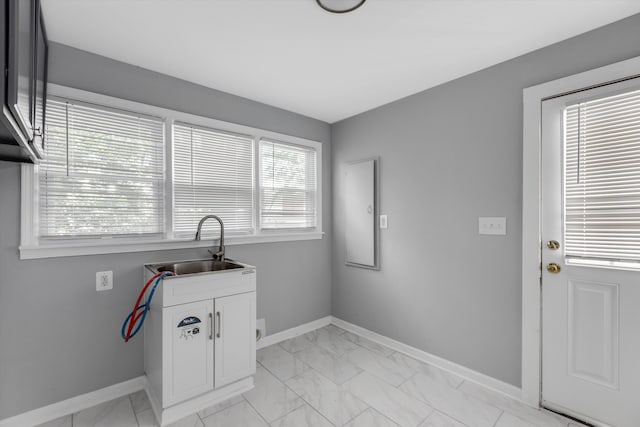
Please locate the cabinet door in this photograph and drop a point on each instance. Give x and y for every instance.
(40, 84)
(187, 351)
(21, 20)
(235, 333)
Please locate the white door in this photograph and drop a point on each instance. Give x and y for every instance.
(188, 349)
(591, 254)
(235, 338)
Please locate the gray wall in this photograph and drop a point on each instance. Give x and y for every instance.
(60, 338)
(447, 156)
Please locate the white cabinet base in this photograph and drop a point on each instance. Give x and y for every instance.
(199, 341)
(178, 411)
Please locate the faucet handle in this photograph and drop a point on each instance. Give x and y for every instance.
(216, 255)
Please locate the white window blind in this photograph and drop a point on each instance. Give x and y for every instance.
(213, 174)
(602, 179)
(102, 173)
(287, 186)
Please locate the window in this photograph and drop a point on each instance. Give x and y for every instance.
(287, 186)
(213, 173)
(602, 179)
(120, 176)
(103, 173)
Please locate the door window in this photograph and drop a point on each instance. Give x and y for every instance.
(602, 180)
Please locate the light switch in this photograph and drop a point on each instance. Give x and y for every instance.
(383, 221)
(492, 225)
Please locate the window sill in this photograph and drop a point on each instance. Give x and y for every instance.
(94, 248)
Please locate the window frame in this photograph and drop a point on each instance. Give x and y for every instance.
(258, 193)
(161, 165)
(252, 167)
(31, 247)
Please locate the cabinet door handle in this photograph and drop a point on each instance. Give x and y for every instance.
(219, 318)
(210, 326)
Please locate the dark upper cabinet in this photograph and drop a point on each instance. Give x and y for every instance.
(21, 63)
(24, 88)
(40, 82)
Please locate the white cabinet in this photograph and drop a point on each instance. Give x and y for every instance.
(199, 341)
(235, 338)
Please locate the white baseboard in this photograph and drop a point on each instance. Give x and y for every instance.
(462, 371)
(84, 401)
(75, 404)
(293, 332)
(78, 403)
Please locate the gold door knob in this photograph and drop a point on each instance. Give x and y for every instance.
(553, 244)
(554, 268)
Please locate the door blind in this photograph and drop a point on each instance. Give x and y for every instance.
(602, 179)
(287, 186)
(102, 172)
(213, 174)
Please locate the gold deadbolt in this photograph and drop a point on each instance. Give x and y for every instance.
(553, 245)
(554, 268)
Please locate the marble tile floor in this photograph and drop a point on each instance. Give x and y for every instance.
(330, 377)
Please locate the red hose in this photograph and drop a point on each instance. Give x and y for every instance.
(135, 318)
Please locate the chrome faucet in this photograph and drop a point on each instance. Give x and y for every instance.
(220, 253)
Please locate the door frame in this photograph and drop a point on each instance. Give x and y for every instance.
(532, 204)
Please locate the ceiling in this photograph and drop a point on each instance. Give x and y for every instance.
(293, 55)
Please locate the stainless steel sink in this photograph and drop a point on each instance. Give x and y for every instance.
(194, 267)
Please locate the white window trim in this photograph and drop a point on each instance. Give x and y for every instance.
(531, 210)
(31, 248)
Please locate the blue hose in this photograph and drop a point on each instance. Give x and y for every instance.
(146, 307)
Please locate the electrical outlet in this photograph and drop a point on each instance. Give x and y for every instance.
(261, 329)
(104, 280)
